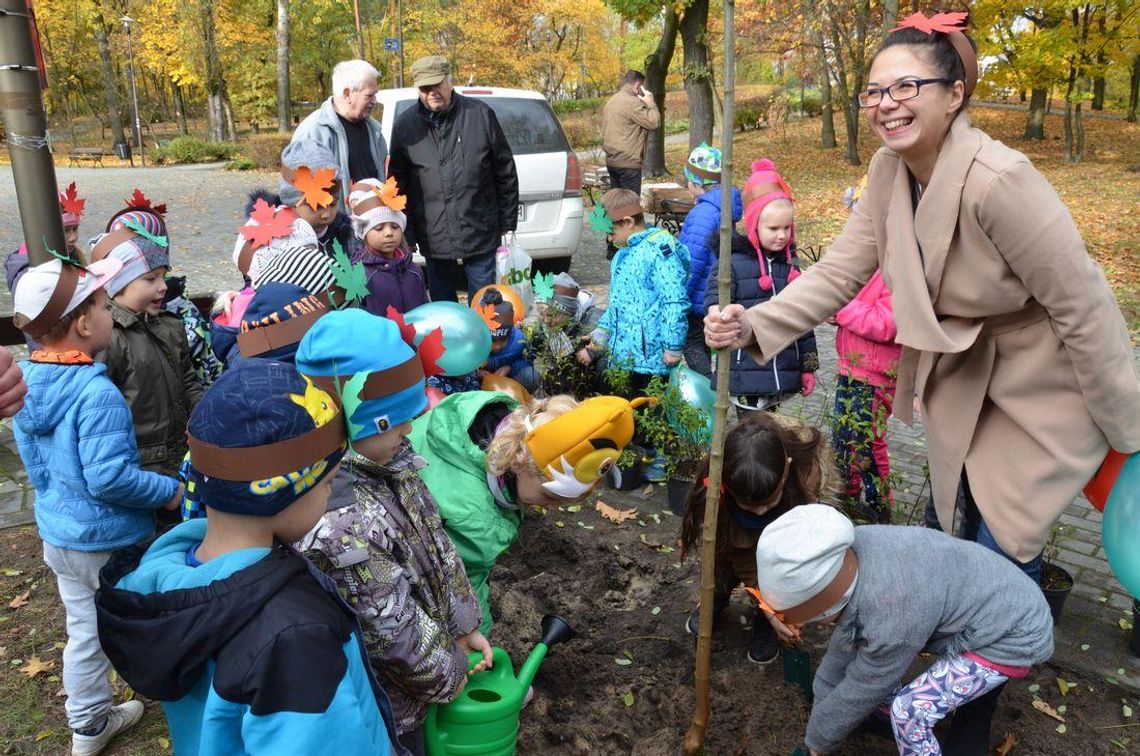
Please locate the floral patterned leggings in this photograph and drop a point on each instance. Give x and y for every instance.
(947, 685)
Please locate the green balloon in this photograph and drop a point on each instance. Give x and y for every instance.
(466, 338)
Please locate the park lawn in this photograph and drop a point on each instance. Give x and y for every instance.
(1102, 192)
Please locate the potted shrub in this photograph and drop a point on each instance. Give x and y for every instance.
(1056, 582)
(677, 430)
(552, 351)
(631, 464)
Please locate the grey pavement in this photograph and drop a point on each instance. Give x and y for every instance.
(206, 209)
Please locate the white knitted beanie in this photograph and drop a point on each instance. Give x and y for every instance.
(369, 210)
(800, 553)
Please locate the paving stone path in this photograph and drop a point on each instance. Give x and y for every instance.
(206, 205)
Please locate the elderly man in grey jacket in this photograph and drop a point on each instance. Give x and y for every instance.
(344, 125)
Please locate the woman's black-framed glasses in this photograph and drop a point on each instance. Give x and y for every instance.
(907, 89)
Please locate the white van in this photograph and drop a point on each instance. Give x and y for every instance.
(550, 182)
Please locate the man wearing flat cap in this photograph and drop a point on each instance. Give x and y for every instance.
(451, 159)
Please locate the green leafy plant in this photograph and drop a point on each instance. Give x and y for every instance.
(190, 149)
(674, 427)
(554, 353)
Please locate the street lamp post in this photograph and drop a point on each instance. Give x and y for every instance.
(126, 21)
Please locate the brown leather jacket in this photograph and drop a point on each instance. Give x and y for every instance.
(626, 123)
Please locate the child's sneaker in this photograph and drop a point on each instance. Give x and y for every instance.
(122, 717)
(655, 470)
(764, 646)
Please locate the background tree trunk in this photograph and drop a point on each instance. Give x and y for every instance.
(1134, 89)
(215, 83)
(111, 90)
(698, 77)
(284, 122)
(827, 116)
(1035, 125)
(890, 15)
(656, 68)
(179, 108)
(1068, 118)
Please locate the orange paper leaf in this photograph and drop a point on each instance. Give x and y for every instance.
(490, 317)
(615, 515)
(19, 601)
(939, 22)
(272, 223)
(1007, 745)
(390, 195)
(315, 186)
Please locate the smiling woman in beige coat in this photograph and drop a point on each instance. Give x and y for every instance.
(1013, 343)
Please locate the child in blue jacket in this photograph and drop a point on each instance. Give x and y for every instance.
(249, 647)
(77, 442)
(644, 327)
(701, 234)
(510, 353)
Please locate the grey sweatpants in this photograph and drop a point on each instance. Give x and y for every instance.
(86, 669)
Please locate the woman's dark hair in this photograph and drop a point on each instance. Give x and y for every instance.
(937, 49)
(754, 453)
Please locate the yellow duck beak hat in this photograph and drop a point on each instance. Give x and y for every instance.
(576, 450)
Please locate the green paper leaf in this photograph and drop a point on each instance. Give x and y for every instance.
(544, 286)
(350, 399)
(599, 221)
(142, 231)
(55, 254)
(627, 699)
(352, 278)
(622, 662)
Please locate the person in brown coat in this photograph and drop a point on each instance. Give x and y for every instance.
(627, 119)
(1013, 345)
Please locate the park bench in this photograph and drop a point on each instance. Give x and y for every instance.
(79, 154)
(669, 204)
(595, 178)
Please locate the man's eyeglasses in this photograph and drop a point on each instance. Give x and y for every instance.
(907, 89)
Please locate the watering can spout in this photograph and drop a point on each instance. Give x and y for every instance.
(554, 630)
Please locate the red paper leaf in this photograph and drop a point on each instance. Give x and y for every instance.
(70, 202)
(407, 332)
(272, 223)
(139, 201)
(939, 22)
(431, 349)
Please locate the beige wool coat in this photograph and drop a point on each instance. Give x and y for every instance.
(1013, 342)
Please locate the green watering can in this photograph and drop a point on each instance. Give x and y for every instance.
(484, 719)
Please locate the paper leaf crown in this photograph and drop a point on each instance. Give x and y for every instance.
(939, 22)
(139, 201)
(599, 221)
(389, 194)
(272, 223)
(70, 202)
(350, 278)
(544, 286)
(315, 187)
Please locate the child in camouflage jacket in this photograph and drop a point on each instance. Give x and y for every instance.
(387, 550)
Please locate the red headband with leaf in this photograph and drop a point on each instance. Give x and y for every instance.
(952, 25)
(139, 201)
(70, 202)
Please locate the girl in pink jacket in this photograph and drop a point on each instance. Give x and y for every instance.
(867, 367)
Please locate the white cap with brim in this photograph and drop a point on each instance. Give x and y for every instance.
(38, 287)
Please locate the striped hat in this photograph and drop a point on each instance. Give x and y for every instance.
(307, 268)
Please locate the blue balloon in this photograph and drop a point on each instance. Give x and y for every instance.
(466, 338)
(1121, 526)
(697, 391)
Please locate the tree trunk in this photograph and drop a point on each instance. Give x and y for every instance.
(1134, 89)
(1068, 119)
(215, 82)
(179, 108)
(1102, 62)
(1035, 125)
(110, 89)
(890, 15)
(656, 68)
(698, 78)
(284, 122)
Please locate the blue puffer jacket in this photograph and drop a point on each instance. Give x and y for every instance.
(513, 354)
(648, 303)
(781, 375)
(701, 235)
(77, 441)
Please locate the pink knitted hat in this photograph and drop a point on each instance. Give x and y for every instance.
(763, 186)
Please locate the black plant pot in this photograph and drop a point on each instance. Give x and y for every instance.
(631, 476)
(1056, 583)
(677, 491)
(1134, 643)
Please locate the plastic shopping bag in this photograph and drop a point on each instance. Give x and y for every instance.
(512, 268)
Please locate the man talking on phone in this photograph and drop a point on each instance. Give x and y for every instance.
(627, 119)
